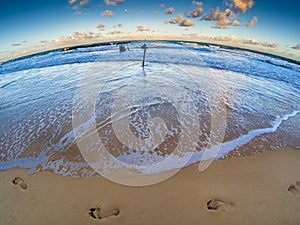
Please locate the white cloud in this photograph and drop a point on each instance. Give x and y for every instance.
(242, 5)
(101, 26)
(115, 32)
(176, 19)
(252, 22)
(110, 3)
(196, 13)
(107, 13)
(251, 42)
(77, 12)
(225, 38)
(141, 28)
(180, 21)
(297, 47)
(269, 45)
(198, 4)
(236, 23)
(83, 2)
(186, 23)
(79, 4)
(217, 14)
(169, 10)
(75, 38)
(222, 17)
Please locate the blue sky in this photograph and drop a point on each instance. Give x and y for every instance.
(24, 24)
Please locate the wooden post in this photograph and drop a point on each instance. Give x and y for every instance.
(144, 47)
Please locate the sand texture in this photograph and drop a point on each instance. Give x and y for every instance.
(263, 189)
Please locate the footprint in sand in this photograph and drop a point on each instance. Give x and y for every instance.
(294, 189)
(217, 204)
(18, 181)
(98, 213)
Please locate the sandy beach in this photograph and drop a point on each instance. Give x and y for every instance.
(262, 189)
(62, 112)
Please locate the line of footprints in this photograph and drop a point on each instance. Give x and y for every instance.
(97, 213)
(212, 205)
(294, 189)
(19, 182)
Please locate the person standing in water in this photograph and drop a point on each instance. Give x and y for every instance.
(122, 48)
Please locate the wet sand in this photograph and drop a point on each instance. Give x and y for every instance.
(262, 189)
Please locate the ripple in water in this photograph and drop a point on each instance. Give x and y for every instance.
(260, 94)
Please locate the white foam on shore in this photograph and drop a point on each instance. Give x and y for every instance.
(79, 169)
(225, 147)
(242, 140)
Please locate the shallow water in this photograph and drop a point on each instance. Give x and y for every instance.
(186, 99)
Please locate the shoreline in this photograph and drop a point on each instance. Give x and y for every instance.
(262, 189)
(126, 41)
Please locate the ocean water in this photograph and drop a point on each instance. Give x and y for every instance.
(62, 110)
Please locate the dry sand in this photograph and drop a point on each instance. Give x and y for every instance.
(264, 189)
